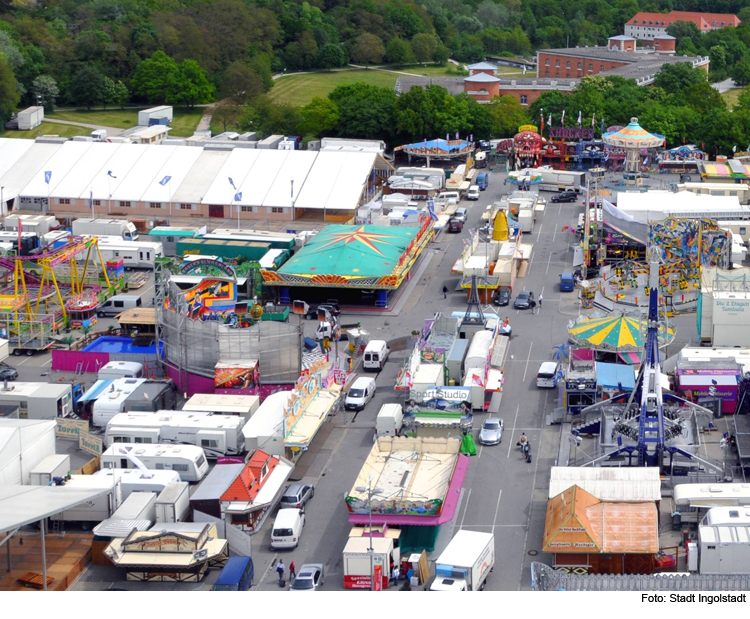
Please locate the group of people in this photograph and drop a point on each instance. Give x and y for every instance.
(281, 570)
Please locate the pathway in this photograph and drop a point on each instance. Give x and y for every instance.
(111, 131)
(724, 86)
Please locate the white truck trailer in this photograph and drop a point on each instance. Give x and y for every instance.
(465, 563)
(218, 435)
(173, 504)
(86, 226)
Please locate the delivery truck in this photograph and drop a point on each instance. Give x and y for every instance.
(389, 421)
(173, 504)
(86, 226)
(465, 563)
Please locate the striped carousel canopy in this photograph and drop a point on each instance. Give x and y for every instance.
(633, 136)
(614, 333)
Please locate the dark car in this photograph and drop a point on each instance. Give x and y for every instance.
(455, 225)
(565, 196)
(523, 300)
(501, 296)
(331, 305)
(8, 373)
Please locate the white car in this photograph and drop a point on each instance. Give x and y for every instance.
(549, 375)
(473, 193)
(360, 393)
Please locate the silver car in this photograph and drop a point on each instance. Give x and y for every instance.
(310, 578)
(297, 495)
(491, 432)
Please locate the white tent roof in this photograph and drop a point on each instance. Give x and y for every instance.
(120, 163)
(24, 443)
(139, 178)
(22, 505)
(60, 164)
(296, 168)
(237, 167)
(262, 176)
(78, 182)
(177, 166)
(336, 180)
(25, 168)
(198, 180)
(11, 151)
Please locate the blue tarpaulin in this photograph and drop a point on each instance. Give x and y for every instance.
(99, 387)
(440, 144)
(610, 375)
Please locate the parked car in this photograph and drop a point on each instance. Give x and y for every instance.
(549, 375)
(523, 300)
(491, 432)
(332, 305)
(461, 214)
(565, 196)
(8, 373)
(310, 578)
(473, 193)
(501, 296)
(360, 393)
(297, 495)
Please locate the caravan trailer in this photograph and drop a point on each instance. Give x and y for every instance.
(693, 500)
(187, 460)
(218, 435)
(139, 480)
(223, 404)
(134, 254)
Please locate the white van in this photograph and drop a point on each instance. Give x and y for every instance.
(389, 421)
(120, 369)
(473, 193)
(449, 197)
(549, 374)
(287, 528)
(360, 393)
(376, 354)
(117, 304)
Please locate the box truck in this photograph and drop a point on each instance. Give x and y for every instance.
(173, 504)
(56, 465)
(465, 563)
(389, 421)
(86, 226)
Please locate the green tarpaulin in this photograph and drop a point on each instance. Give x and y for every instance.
(416, 538)
(468, 446)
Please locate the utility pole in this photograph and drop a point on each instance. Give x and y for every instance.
(370, 492)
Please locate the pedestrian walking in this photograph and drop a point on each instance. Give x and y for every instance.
(280, 569)
(445, 291)
(292, 571)
(395, 574)
(540, 301)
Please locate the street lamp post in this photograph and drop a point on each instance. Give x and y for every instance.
(370, 492)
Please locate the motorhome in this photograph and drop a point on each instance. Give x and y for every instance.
(131, 394)
(134, 254)
(139, 480)
(218, 435)
(120, 369)
(187, 460)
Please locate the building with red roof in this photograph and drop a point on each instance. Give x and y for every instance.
(646, 26)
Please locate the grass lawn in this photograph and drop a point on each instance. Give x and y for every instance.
(432, 70)
(300, 89)
(731, 97)
(65, 131)
(183, 124)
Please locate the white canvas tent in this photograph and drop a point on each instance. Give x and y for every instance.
(24, 443)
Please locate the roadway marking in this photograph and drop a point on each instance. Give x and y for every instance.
(510, 442)
(479, 455)
(468, 496)
(548, 261)
(526, 369)
(497, 507)
(539, 234)
(47, 362)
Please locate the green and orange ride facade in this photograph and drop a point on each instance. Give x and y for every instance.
(361, 257)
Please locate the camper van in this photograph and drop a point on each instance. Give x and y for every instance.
(118, 304)
(120, 369)
(218, 435)
(187, 460)
(376, 354)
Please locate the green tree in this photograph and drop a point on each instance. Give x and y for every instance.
(676, 77)
(87, 87)
(11, 50)
(241, 83)
(441, 55)
(121, 95)
(45, 91)
(740, 72)
(9, 95)
(318, 117)
(398, 51)
(507, 115)
(108, 91)
(331, 56)
(367, 49)
(718, 57)
(192, 85)
(364, 110)
(404, 19)
(680, 29)
(424, 46)
(156, 78)
(227, 114)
